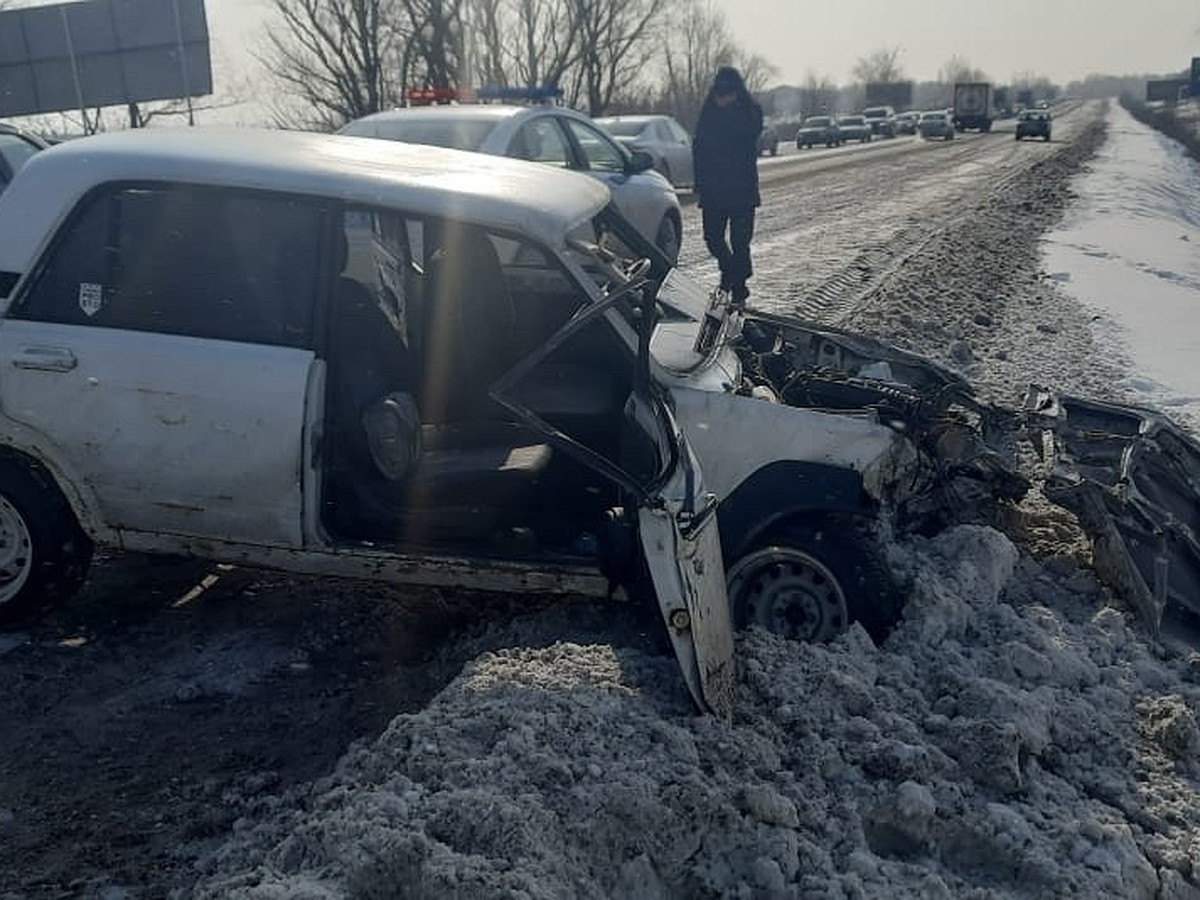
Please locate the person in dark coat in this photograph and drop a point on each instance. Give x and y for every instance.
(725, 157)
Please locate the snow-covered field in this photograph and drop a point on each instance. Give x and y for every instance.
(1130, 249)
(1018, 735)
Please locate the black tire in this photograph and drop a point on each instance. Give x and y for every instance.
(44, 554)
(668, 238)
(775, 150)
(809, 580)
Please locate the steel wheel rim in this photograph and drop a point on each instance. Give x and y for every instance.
(16, 551)
(790, 593)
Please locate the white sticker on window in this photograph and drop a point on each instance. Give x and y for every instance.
(91, 298)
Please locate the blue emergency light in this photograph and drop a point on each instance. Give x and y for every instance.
(518, 93)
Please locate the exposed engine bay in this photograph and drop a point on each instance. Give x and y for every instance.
(1130, 475)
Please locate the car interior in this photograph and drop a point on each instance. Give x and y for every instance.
(427, 316)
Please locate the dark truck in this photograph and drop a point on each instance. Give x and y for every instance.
(973, 106)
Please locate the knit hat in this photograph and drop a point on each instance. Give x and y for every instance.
(727, 81)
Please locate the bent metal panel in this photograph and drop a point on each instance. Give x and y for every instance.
(102, 53)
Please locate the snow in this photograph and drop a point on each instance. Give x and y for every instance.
(1016, 736)
(1130, 249)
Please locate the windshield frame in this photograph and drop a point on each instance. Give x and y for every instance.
(683, 302)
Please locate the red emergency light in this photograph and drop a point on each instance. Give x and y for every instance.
(428, 96)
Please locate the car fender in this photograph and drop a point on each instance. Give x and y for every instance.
(20, 443)
(826, 460)
(781, 490)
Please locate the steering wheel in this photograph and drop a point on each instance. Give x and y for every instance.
(638, 269)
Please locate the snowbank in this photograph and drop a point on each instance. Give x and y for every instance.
(1014, 737)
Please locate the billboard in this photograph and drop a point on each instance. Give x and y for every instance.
(1167, 90)
(102, 53)
(897, 94)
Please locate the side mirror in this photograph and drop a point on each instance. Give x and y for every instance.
(640, 161)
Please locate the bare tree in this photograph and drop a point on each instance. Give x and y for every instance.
(616, 44)
(532, 42)
(819, 94)
(697, 43)
(433, 51)
(880, 66)
(958, 69)
(336, 59)
(756, 70)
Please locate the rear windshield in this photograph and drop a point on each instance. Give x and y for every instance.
(623, 129)
(852, 120)
(875, 113)
(817, 120)
(456, 134)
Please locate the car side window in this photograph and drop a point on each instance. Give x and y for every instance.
(541, 140)
(15, 151)
(601, 153)
(179, 259)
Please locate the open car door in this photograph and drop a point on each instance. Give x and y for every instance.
(588, 390)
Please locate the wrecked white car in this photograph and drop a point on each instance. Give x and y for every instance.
(350, 357)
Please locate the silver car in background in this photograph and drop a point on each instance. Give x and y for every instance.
(854, 128)
(936, 123)
(660, 136)
(548, 134)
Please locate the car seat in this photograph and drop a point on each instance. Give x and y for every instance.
(469, 328)
(473, 474)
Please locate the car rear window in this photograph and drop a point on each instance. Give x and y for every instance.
(454, 134)
(817, 120)
(623, 129)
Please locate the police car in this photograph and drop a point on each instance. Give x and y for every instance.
(528, 123)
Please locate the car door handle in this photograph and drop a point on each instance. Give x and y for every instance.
(45, 359)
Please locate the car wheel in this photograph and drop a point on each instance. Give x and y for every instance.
(1046, 138)
(810, 581)
(44, 554)
(667, 240)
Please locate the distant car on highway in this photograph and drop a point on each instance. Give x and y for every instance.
(768, 141)
(882, 120)
(16, 147)
(906, 122)
(662, 137)
(1033, 123)
(936, 123)
(818, 130)
(854, 128)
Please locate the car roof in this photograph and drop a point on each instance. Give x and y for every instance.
(646, 117)
(506, 194)
(467, 112)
